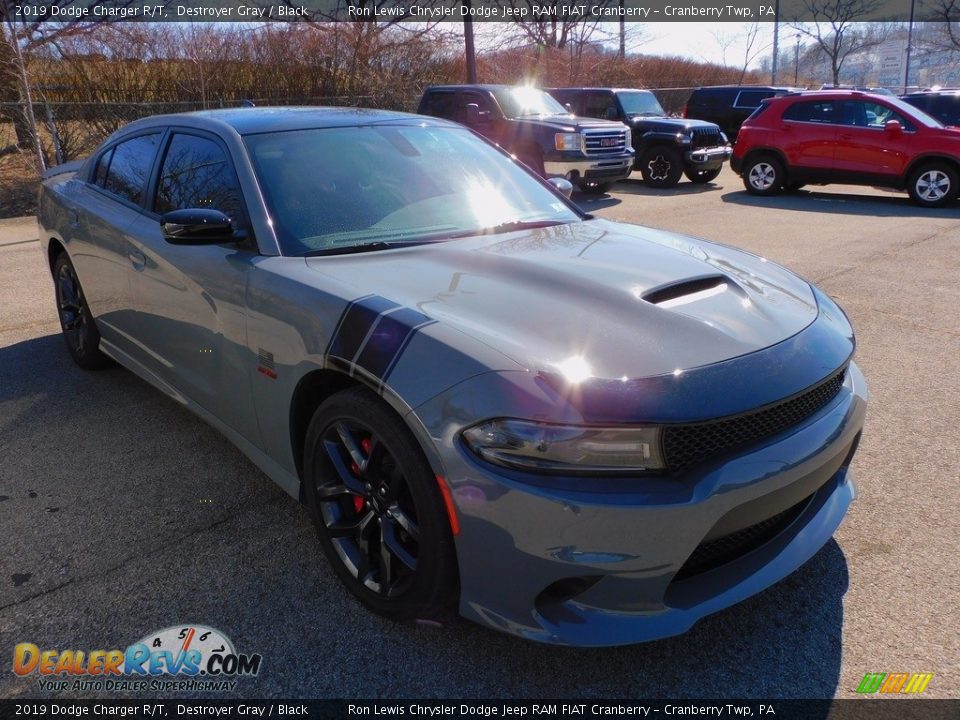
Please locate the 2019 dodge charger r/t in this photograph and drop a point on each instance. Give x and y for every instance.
(848, 137)
(574, 430)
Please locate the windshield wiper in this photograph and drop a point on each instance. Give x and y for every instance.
(509, 227)
(362, 248)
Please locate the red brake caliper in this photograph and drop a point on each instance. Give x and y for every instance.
(359, 502)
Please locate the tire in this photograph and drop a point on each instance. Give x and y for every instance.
(933, 185)
(595, 188)
(763, 175)
(702, 177)
(533, 159)
(378, 509)
(661, 167)
(79, 329)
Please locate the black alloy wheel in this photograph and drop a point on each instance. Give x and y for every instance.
(79, 329)
(378, 509)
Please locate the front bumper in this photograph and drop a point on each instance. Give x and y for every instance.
(608, 169)
(596, 569)
(708, 158)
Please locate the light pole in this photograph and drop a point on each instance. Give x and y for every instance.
(906, 69)
(796, 61)
(776, 42)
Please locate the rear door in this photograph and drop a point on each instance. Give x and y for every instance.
(111, 205)
(808, 135)
(189, 299)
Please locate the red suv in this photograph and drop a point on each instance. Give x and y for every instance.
(847, 137)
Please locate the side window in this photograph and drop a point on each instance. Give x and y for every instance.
(439, 104)
(482, 101)
(130, 166)
(197, 174)
(878, 115)
(600, 105)
(819, 112)
(100, 174)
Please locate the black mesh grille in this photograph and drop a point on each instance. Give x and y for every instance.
(705, 138)
(685, 446)
(724, 549)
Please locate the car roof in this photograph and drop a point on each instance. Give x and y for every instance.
(489, 87)
(253, 120)
(603, 89)
(825, 95)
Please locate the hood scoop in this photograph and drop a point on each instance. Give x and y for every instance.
(689, 290)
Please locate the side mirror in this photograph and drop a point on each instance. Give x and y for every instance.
(893, 127)
(569, 108)
(563, 185)
(473, 114)
(196, 226)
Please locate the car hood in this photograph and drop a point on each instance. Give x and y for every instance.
(613, 300)
(569, 123)
(669, 124)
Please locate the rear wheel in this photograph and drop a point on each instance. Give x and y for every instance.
(661, 167)
(79, 330)
(933, 184)
(702, 176)
(378, 509)
(763, 176)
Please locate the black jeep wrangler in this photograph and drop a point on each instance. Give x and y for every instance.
(539, 131)
(665, 147)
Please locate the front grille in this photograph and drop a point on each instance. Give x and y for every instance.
(685, 446)
(705, 138)
(713, 554)
(605, 142)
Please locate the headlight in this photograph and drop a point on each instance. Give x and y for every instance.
(723, 138)
(628, 138)
(568, 141)
(684, 138)
(565, 448)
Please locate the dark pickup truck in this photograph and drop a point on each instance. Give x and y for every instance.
(539, 131)
(666, 148)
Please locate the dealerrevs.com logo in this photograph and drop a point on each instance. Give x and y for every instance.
(179, 658)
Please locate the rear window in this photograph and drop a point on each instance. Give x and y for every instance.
(752, 98)
(819, 112)
(129, 167)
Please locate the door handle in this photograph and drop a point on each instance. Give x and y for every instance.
(74, 218)
(846, 136)
(137, 259)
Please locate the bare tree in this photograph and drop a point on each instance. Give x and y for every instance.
(750, 41)
(838, 29)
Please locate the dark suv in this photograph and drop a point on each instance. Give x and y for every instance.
(729, 105)
(530, 124)
(944, 105)
(848, 137)
(666, 148)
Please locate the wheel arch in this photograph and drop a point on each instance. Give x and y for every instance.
(771, 151)
(54, 248)
(311, 391)
(919, 162)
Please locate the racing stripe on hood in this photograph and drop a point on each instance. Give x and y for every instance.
(372, 334)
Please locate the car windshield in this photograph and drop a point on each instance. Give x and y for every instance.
(914, 112)
(356, 189)
(526, 101)
(640, 103)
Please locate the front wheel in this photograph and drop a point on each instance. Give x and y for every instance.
(763, 176)
(661, 167)
(702, 177)
(378, 509)
(79, 330)
(933, 185)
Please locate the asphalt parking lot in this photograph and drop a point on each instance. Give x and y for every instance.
(122, 514)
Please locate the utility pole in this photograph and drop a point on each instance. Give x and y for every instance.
(796, 61)
(468, 48)
(776, 43)
(906, 69)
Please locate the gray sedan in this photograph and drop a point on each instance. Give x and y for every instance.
(573, 430)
